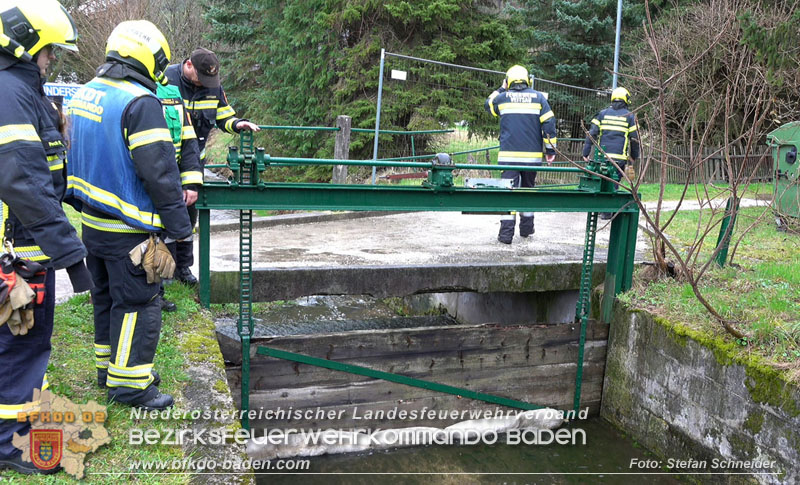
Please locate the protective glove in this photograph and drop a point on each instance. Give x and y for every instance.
(629, 171)
(21, 294)
(7, 273)
(21, 321)
(3, 292)
(165, 264)
(155, 258)
(34, 274)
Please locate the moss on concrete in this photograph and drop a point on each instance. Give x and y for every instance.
(754, 423)
(768, 385)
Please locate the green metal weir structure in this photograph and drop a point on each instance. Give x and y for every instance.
(247, 191)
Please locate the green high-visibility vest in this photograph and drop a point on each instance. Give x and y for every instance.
(172, 102)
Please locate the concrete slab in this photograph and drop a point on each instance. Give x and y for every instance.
(405, 239)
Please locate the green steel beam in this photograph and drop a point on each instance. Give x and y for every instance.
(621, 250)
(388, 376)
(395, 132)
(425, 165)
(723, 240)
(277, 196)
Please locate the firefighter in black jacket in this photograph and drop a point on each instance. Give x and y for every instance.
(615, 130)
(122, 172)
(31, 187)
(198, 80)
(527, 129)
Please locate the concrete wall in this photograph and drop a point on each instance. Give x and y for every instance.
(550, 307)
(688, 398)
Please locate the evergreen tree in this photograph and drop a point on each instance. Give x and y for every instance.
(304, 62)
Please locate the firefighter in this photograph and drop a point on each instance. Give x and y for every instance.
(527, 128)
(122, 174)
(187, 155)
(31, 187)
(615, 130)
(197, 78)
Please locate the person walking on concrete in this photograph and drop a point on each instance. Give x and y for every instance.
(122, 174)
(527, 129)
(32, 222)
(197, 78)
(615, 130)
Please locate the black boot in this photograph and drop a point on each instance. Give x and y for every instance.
(168, 306)
(26, 468)
(156, 403)
(184, 275)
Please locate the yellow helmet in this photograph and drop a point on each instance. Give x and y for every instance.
(29, 26)
(517, 74)
(621, 94)
(139, 44)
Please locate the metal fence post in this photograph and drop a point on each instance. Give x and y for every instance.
(342, 149)
(378, 116)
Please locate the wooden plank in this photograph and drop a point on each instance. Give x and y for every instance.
(366, 343)
(557, 380)
(275, 373)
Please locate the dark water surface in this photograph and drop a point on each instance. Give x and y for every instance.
(606, 452)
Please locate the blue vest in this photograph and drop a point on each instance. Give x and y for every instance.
(100, 171)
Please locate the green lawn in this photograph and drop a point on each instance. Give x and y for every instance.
(760, 292)
(72, 374)
(650, 192)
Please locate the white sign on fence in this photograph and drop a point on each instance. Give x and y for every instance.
(401, 75)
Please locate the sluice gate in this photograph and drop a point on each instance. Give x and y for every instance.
(247, 192)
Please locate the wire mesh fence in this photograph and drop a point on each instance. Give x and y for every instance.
(422, 94)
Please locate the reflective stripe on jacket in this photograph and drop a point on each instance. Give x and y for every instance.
(614, 129)
(208, 107)
(527, 124)
(99, 148)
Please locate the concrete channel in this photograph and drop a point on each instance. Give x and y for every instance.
(473, 313)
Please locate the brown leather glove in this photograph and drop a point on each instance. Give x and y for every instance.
(164, 263)
(155, 258)
(21, 294)
(629, 171)
(21, 321)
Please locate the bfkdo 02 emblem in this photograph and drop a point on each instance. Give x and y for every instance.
(46, 447)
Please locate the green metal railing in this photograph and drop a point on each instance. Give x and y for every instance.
(247, 191)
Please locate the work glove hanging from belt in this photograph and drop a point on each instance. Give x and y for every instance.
(155, 258)
(15, 309)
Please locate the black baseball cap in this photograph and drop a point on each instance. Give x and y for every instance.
(206, 64)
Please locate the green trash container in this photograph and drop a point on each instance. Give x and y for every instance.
(785, 142)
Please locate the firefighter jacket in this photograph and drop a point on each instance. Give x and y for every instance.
(527, 124)
(32, 163)
(183, 136)
(614, 129)
(208, 107)
(121, 156)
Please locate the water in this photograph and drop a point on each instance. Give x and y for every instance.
(606, 452)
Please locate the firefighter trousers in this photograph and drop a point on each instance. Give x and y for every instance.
(127, 316)
(508, 222)
(23, 360)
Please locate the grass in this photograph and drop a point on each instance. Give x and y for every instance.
(760, 292)
(72, 374)
(650, 192)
